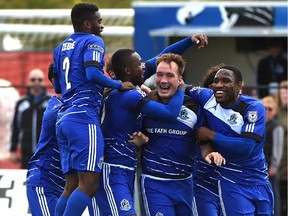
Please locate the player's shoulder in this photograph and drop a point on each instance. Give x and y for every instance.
(250, 101)
(132, 93)
(251, 106)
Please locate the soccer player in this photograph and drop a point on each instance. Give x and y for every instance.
(78, 68)
(236, 130)
(120, 121)
(167, 158)
(45, 180)
(206, 198)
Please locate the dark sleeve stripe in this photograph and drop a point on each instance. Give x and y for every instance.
(92, 63)
(141, 103)
(251, 135)
(241, 108)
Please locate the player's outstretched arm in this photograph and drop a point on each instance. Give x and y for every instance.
(178, 48)
(200, 39)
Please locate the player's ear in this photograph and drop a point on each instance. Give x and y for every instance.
(180, 80)
(86, 24)
(127, 70)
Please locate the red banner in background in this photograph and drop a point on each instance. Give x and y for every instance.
(15, 66)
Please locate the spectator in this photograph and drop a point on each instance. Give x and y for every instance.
(26, 125)
(273, 148)
(282, 118)
(272, 69)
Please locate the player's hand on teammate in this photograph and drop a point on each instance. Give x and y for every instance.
(127, 86)
(145, 88)
(200, 39)
(204, 134)
(215, 157)
(138, 139)
(182, 85)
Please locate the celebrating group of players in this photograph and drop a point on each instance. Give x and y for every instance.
(200, 150)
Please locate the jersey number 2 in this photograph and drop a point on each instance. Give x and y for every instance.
(66, 67)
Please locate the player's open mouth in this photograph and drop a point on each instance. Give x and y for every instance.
(219, 93)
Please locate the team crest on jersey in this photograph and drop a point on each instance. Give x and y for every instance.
(125, 205)
(184, 114)
(232, 119)
(100, 163)
(158, 214)
(252, 116)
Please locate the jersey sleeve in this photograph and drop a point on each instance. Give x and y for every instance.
(199, 94)
(254, 122)
(56, 83)
(94, 53)
(159, 110)
(132, 98)
(178, 48)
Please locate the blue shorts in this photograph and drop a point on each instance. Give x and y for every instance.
(116, 190)
(42, 201)
(245, 199)
(81, 146)
(167, 196)
(206, 202)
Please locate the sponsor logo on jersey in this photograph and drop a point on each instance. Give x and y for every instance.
(125, 205)
(252, 116)
(166, 131)
(96, 47)
(159, 214)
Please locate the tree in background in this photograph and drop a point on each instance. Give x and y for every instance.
(36, 4)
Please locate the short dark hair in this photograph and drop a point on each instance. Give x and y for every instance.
(81, 12)
(171, 57)
(50, 73)
(210, 74)
(121, 59)
(236, 72)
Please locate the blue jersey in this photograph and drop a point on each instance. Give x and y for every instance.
(82, 98)
(124, 114)
(245, 119)
(121, 120)
(44, 168)
(171, 147)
